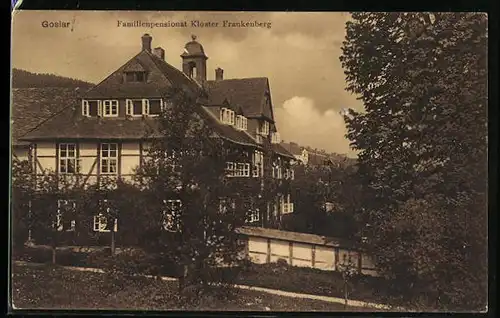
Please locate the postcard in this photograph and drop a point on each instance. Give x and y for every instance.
(249, 161)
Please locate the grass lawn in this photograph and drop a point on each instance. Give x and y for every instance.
(53, 287)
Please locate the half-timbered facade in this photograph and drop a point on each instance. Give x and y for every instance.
(105, 131)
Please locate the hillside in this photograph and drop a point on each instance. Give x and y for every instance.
(25, 79)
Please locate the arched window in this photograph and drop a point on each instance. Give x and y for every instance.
(192, 70)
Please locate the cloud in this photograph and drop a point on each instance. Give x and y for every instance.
(299, 120)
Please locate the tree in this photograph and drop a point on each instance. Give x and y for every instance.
(316, 185)
(22, 195)
(422, 150)
(192, 207)
(53, 208)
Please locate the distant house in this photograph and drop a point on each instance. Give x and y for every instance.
(314, 157)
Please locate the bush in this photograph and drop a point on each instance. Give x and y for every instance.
(312, 281)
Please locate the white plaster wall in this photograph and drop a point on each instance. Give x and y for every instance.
(258, 258)
(324, 257)
(129, 163)
(280, 248)
(46, 149)
(256, 244)
(302, 251)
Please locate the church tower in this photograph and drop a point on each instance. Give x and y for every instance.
(194, 61)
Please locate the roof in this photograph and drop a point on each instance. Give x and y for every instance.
(249, 93)
(193, 48)
(31, 107)
(66, 126)
(293, 236)
(162, 76)
(292, 148)
(279, 149)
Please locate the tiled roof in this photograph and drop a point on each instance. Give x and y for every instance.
(114, 87)
(292, 148)
(279, 149)
(229, 132)
(31, 107)
(249, 93)
(65, 125)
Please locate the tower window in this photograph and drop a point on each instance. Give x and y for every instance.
(193, 72)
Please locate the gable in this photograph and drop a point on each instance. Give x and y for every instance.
(160, 77)
(247, 93)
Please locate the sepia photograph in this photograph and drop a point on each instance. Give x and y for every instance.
(249, 161)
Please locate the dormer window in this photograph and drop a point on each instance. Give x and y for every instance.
(91, 107)
(264, 128)
(136, 76)
(110, 108)
(276, 138)
(241, 122)
(140, 107)
(227, 116)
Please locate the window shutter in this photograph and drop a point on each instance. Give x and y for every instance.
(99, 108)
(128, 107)
(145, 106)
(85, 108)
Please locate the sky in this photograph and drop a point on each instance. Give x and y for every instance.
(299, 53)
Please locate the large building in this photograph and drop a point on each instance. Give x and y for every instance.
(103, 131)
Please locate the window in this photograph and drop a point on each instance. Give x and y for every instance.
(287, 206)
(230, 169)
(155, 107)
(85, 108)
(289, 174)
(109, 158)
(253, 213)
(237, 169)
(258, 164)
(259, 139)
(276, 170)
(171, 215)
(227, 116)
(68, 162)
(66, 209)
(134, 107)
(101, 220)
(135, 76)
(139, 107)
(241, 122)
(264, 128)
(91, 108)
(110, 108)
(276, 139)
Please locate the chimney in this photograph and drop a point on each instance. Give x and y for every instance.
(146, 42)
(219, 74)
(159, 52)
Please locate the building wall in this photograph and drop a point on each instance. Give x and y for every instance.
(304, 254)
(129, 153)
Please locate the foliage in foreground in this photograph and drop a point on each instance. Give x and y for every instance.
(422, 143)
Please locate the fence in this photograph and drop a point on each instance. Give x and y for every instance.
(304, 250)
